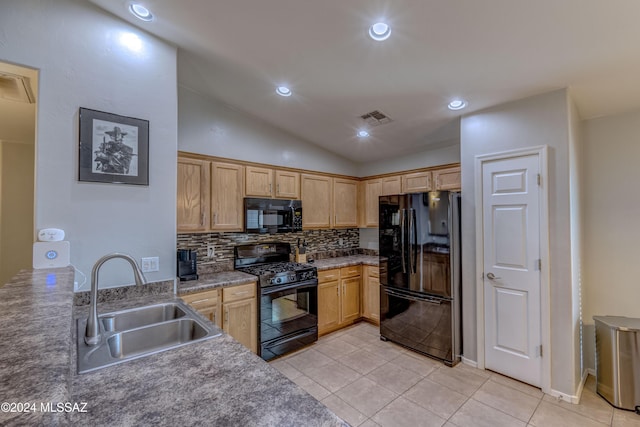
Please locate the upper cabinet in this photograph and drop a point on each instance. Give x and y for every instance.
(416, 182)
(448, 179)
(345, 207)
(193, 195)
(316, 200)
(391, 185)
(271, 183)
(372, 190)
(227, 205)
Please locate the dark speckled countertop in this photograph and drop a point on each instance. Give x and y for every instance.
(345, 261)
(212, 382)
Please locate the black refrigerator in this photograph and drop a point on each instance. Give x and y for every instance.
(420, 273)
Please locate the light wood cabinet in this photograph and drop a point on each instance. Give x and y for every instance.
(232, 308)
(206, 303)
(448, 179)
(371, 293)
(316, 201)
(372, 192)
(416, 182)
(391, 185)
(345, 208)
(227, 206)
(338, 298)
(193, 195)
(287, 185)
(258, 182)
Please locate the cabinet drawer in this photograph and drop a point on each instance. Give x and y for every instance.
(235, 293)
(350, 271)
(328, 275)
(200, 299)
(373, 271)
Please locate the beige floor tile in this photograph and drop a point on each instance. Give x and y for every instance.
(591, 405)
(404, 413)
(590, 384)
(386, 350)
(476, 414)
(515, 384)
(394, 377)
(344, 410)
(460, 380)
(550, 415)
(507, 399)
(308, 359)
(421, 365)
(332, 376)
(437, 398)
(625, 419)
(336, 348)
(370, 423)
(286, 369)
(366, 396)
(479, 372)
(312, 387)
(362, 361)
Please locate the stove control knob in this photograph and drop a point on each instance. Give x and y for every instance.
(279, 280)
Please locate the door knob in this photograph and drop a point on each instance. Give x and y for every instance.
(492, 276)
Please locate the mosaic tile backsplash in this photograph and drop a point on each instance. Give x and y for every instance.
(320, 244)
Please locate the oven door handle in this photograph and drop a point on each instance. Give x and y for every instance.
(287, 338)
(280, 288)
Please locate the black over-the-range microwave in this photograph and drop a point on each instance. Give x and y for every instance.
(269, 216)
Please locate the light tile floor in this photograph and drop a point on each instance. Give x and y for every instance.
(368, 382)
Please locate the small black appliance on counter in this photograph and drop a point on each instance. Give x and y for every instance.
(187, 265)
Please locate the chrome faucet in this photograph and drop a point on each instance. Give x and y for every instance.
(92, 333)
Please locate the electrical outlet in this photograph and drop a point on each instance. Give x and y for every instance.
(150, 264)
(210, 251)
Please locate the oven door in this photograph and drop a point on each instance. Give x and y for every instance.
(288, 317)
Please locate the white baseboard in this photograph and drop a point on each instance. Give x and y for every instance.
(575, 399)
(469, 362)
(591, 371)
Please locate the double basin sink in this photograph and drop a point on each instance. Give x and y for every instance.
(138, 332)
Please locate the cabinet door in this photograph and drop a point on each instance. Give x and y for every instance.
(328, 306)
(391, 185)
(241, 322)
(316, 201)
(259, 182)
(447, 179)
(350, 299)
(345, 199)
(206, 303)
(371, 295)
(373, 190)
(226, 197)
(416, 182)
(287, 185)
(193, 195)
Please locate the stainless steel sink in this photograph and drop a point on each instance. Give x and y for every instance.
(143, 316)
(139, 332)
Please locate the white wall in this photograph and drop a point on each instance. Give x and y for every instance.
(82, 63)
(535, 121)
(207, 126)
(611, 210)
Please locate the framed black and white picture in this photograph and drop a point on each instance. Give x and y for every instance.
(113, 148)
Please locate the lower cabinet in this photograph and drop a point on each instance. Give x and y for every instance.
(232, 308)
(371, 293)
(338, 298)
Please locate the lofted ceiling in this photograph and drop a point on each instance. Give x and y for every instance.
(487, 52)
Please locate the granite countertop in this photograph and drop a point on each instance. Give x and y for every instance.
(215, 280)
(212, 382)
(345, 261)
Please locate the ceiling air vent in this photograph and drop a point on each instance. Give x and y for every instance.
(16, 88)
(376, 118)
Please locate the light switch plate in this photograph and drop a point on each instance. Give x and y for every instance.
(150, 264)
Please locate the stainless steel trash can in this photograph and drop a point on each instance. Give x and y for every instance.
(618, 360)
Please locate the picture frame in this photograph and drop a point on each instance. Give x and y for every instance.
(113, 148)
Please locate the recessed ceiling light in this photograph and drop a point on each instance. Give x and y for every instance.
(362, 133)
(457, 104)
(140, 12)
(283, 91)
(379, 31)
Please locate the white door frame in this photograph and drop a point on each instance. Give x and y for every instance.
(545, 291)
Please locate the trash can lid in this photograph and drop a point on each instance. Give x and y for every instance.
(619, 322)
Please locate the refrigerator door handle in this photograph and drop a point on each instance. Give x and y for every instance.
(414, 230)
(402, 246)
(426, 299)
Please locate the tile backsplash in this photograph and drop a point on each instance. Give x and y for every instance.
(320, 244)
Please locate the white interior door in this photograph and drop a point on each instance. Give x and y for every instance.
(512, 278)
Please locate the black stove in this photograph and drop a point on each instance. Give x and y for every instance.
(288, 309)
